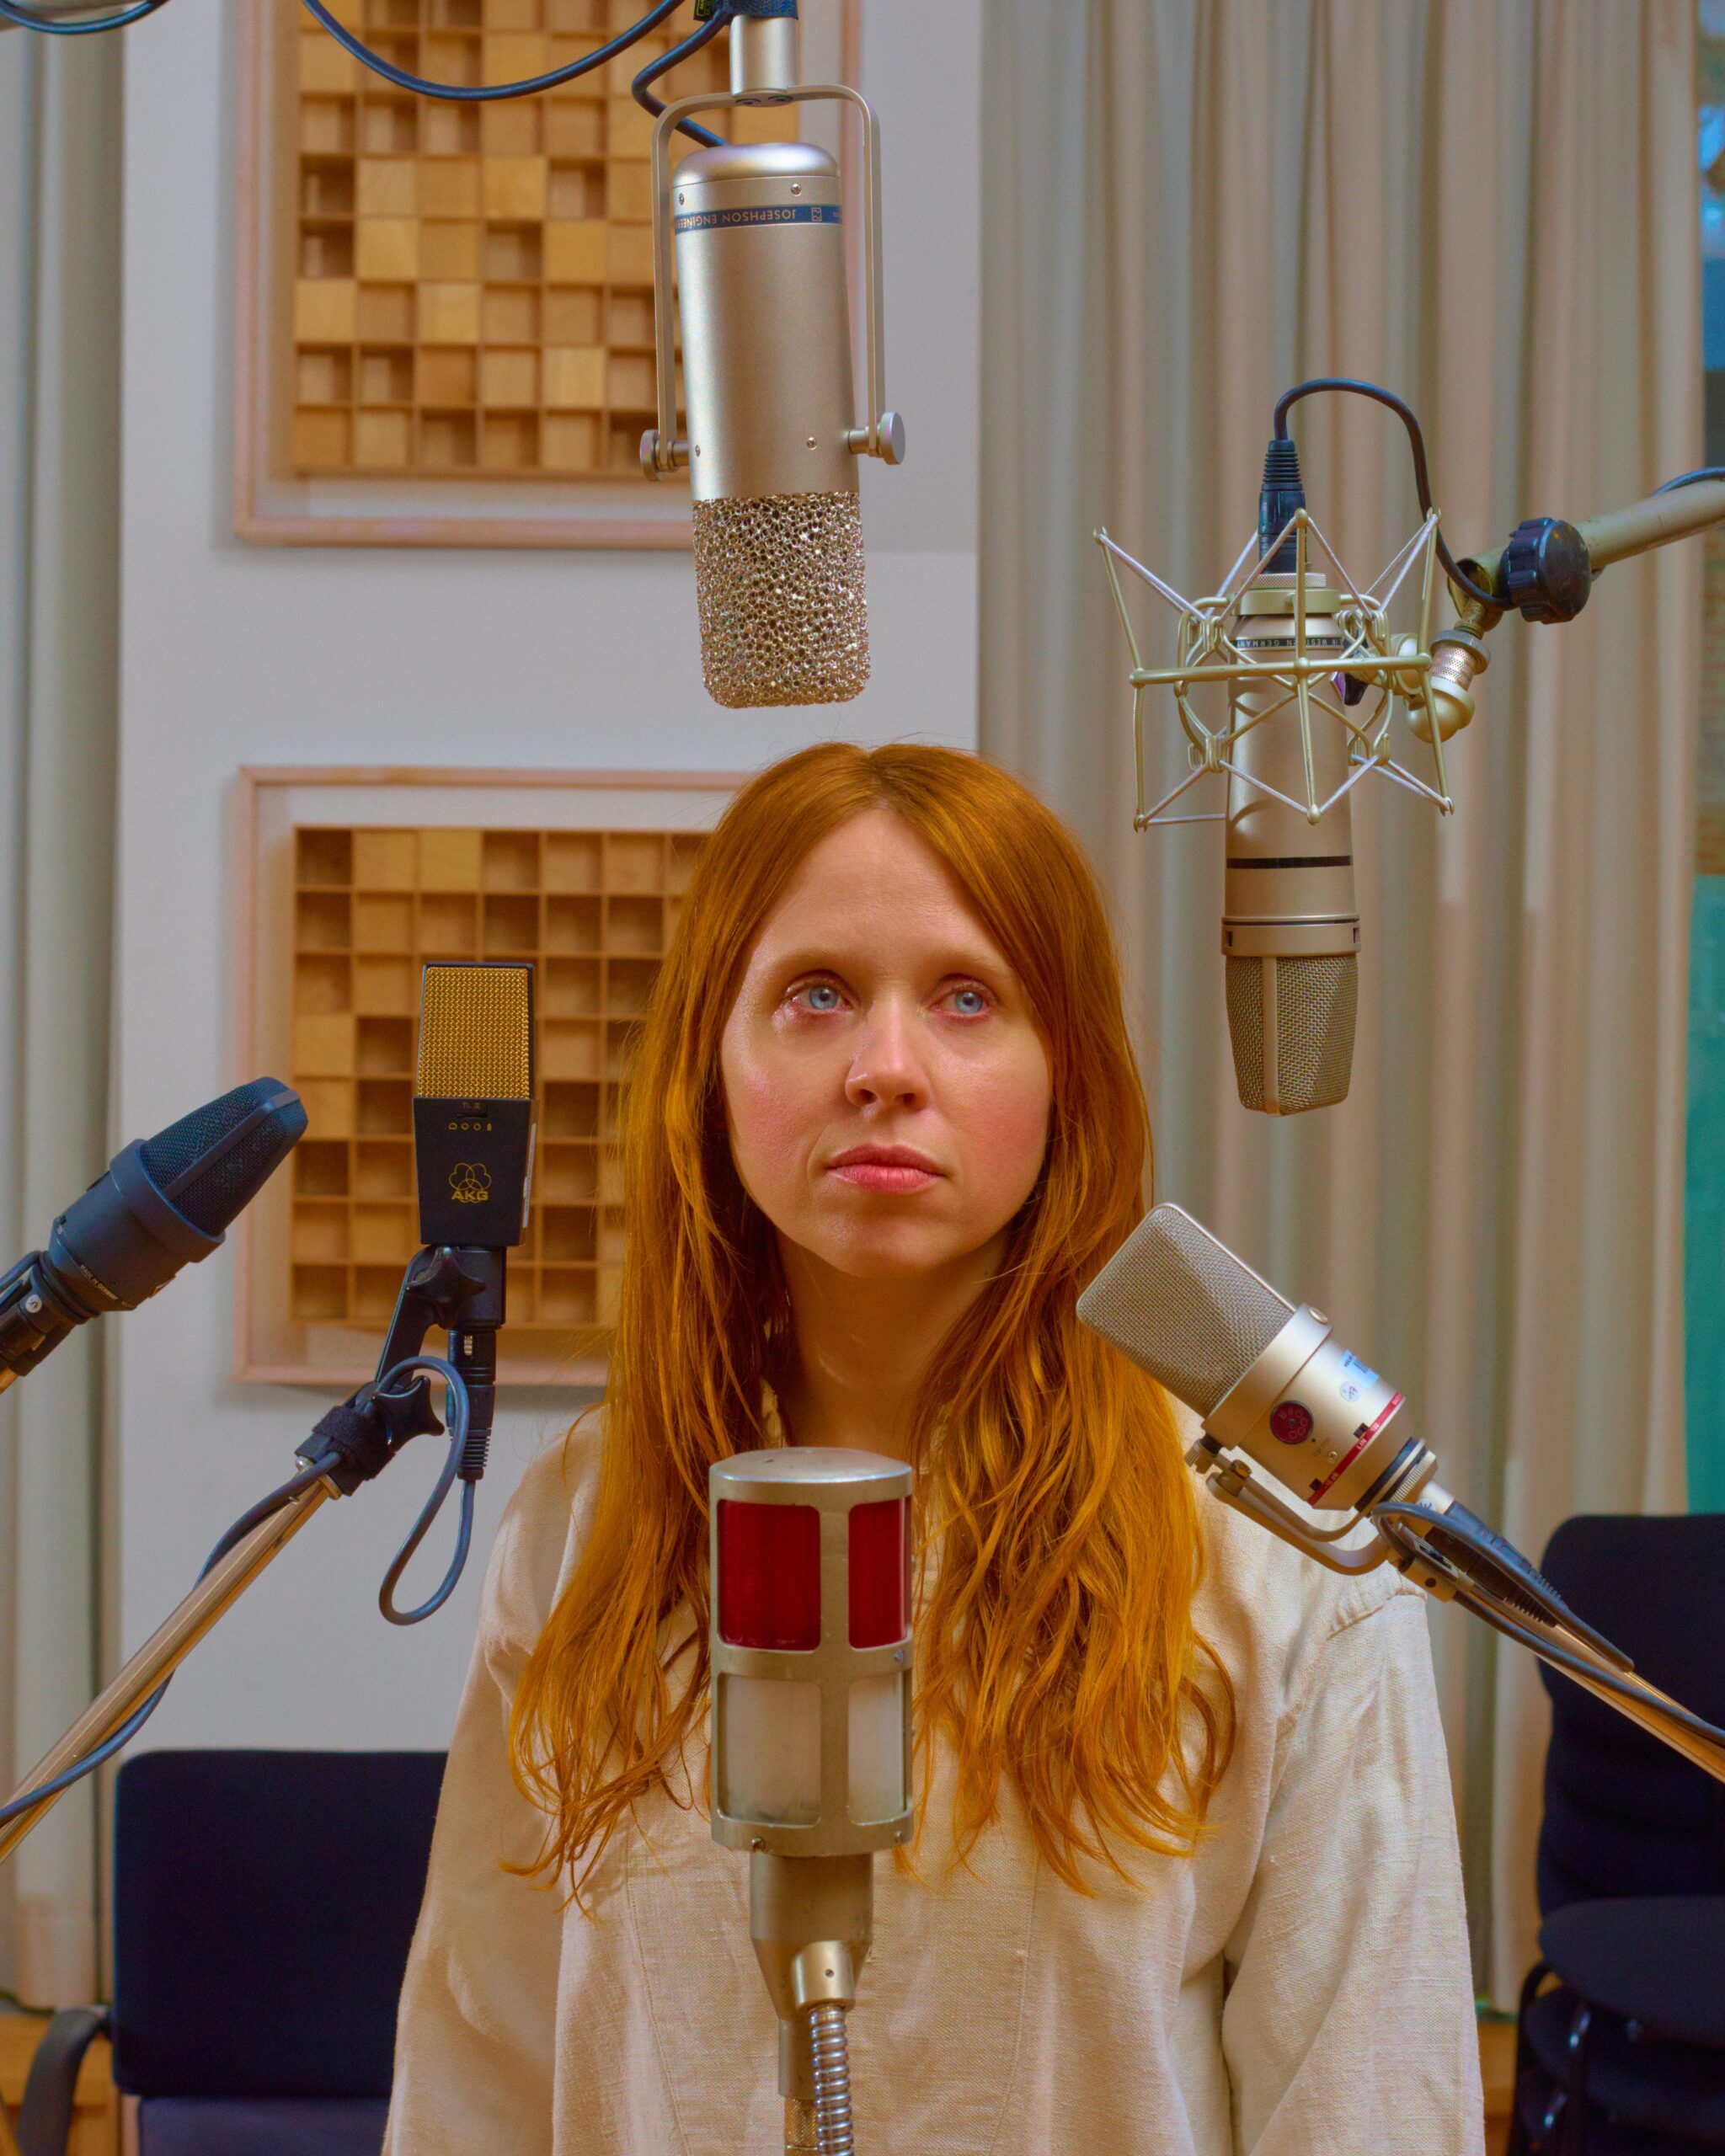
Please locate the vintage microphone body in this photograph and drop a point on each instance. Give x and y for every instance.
(811, 1756)
(755, 233)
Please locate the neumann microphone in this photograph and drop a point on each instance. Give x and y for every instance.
(757, 234)
(1290, 925)
(1277, 1391)
(160, 1204)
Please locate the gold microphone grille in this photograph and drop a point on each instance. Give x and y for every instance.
(476, 1033)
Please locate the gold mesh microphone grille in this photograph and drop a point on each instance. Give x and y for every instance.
(476, 1033)
(1184, 1307)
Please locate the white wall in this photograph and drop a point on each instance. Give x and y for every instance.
(234, 655)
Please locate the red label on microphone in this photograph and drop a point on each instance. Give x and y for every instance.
(1352, 1453)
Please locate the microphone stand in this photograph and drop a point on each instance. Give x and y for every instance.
(459, 1289)
(1547, 570)
(162, 1654)
(1454, 1569)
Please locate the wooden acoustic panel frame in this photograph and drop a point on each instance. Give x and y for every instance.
(353, 881)
(455, 301)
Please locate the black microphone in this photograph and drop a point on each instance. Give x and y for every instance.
(160, 1204)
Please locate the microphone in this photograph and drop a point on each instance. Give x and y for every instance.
(1276, 1390)
(1271, 1382)
(1290, 924)
(473, 1159)
(756, 231)
(160, 1204)
(809, 1646)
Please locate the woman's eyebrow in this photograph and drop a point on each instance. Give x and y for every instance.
(811, 956)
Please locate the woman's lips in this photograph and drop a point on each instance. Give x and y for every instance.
(885, 1168)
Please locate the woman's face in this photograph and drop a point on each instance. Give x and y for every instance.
(887, 1088)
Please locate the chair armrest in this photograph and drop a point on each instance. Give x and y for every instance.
(1658, 1959)
(45, 2117)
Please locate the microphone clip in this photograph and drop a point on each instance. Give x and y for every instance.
(461, 1291)
(356, 1440)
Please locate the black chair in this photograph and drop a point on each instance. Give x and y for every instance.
(1620, 2038)
(263, 1904)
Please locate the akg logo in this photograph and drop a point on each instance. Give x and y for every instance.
(469, 1182)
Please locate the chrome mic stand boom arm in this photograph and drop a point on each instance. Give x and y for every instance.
(352, 1445)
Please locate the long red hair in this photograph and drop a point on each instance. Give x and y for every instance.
(1054, 1640)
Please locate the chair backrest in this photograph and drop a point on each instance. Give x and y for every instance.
(263, 1904)
(1624, 1814)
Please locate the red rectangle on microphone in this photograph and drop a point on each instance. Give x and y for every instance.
(880, 1574)
(769, 1576)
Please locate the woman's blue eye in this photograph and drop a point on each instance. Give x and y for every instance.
(972, 1001)
(818, 989)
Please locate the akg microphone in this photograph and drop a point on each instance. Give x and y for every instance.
(1290, 925)
(1271, 1382)
(474, 1149)
(757, 235)
(160, 1204)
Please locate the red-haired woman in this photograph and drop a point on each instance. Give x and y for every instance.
(1185, 1882)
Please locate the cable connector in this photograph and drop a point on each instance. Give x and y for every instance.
(1282, 493)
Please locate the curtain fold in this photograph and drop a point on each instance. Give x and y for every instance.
(1489, 205)
(59, 301)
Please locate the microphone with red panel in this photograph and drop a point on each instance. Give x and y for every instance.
(811, 1660)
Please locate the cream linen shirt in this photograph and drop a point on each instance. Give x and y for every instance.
(1299, 1988)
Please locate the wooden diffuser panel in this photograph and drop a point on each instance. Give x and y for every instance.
(473, 284)
(592, 909)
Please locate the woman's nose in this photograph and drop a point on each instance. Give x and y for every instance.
(888, 1068)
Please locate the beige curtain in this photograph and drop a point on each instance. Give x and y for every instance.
(60, 210)
(1490, 206)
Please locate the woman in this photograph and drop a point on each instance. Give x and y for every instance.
(1185, 1882)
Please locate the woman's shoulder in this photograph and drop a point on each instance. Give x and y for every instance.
(540, 1536)
(1269, 1610)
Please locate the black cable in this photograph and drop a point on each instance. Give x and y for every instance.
(1522, 1582)
(643, 84)
(455, 1407)
(1421, 479)
(487, 93)
(1576, 1666)
(265, 1509)
(118, 20)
